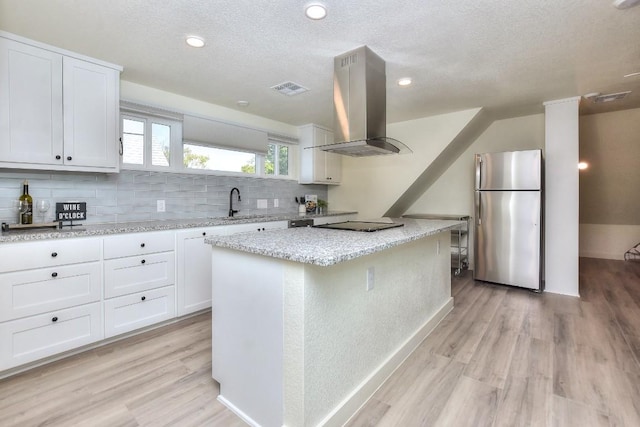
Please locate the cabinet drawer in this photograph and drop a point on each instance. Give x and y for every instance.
(36, 337)
(47, 253)
(138, 244)
(134, 274)
(124, 314)
(25, 293)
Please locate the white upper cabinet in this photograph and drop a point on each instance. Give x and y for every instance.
(317, 166)
(90, 94)
(30, 104)
(58, 110)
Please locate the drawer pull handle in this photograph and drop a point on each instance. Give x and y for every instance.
(55, 319)
(54, 254)
(54, 274)
(142, 245)
(143, 261)
(143, 298)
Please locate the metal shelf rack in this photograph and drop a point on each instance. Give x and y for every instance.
(459, 240)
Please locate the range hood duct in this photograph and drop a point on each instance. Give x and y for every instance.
(360, 106)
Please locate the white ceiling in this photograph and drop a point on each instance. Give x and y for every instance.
(501, 54)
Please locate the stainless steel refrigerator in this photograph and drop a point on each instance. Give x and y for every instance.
(508, 246)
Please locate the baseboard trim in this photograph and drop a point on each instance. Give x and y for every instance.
(352, 403)
(230, 406)
(602, 255)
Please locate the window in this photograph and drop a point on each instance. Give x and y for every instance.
(276, 162)
(219, 159)
(149, 142)
(163, 140)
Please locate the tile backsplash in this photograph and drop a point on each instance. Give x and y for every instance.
(132, 195)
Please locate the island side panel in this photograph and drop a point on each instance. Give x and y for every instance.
(350, 332)
(247, 332)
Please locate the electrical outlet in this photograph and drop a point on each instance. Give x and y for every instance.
(275, 203)
(161, 206)
(262, 203)
(371, 278)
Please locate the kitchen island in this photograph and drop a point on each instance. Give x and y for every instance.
(308, 322)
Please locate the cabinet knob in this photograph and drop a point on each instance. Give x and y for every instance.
(55, 319)
(142, 245)
(58, 157)
(54, 254)
(143, 298)
(68, 157)
(54, 274)
(143, 261)
(262, 228)
(204, 233)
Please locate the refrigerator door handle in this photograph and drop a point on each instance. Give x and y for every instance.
(479, 207)
(478, 171)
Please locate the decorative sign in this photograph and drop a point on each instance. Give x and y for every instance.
(71, 211)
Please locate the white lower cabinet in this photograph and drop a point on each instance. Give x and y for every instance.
(130, 312)
(30, 292)
(194, 262)
(138, 273)
(32, 338)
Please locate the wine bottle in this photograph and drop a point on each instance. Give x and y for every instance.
(26, 212)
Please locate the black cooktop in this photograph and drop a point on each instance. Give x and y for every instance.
(360, 226)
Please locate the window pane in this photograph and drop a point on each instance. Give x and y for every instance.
(269, 160)
(160, 144)
(210, 158)
(132, 141)
(283, 160)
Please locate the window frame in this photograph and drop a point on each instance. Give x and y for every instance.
(175, 144)
(290, 164)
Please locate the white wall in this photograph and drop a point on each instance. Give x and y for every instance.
(609, 205)
(371, 185)
(453, 192)
(561, 196)
(155, 97)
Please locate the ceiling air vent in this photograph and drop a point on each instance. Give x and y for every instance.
(289, 88)
(611, 97)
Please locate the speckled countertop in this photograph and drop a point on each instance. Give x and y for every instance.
(325, 247)
(137, 227)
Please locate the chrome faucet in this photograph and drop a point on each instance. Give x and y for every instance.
(231, 211)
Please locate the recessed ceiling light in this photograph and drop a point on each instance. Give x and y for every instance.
(315, 11)
(243, 104)
(583, 165)
(195, 41)
(632, 74)
(405, 81)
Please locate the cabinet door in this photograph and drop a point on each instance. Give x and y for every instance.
(319, 156)
(90, 114)
(193, 257)
(136, 311)
(30, 104)
(333, 168)
(36, 337)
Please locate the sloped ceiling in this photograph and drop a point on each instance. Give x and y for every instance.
(497, 54)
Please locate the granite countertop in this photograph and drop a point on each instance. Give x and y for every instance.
(325, 247)
(137, 227)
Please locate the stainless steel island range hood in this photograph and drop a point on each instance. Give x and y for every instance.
(360, 103)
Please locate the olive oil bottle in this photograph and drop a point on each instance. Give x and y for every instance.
(26, 205)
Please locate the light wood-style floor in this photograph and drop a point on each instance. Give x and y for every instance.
(502, 357)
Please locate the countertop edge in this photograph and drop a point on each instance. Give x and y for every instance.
(96, 230)
(228, 242)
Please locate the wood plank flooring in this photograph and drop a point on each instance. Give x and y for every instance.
(509, 357)
(502, 357)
